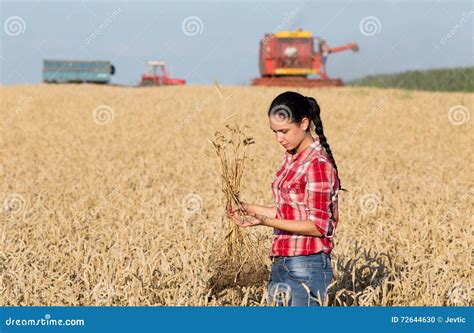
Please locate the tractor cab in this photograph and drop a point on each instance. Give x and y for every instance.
(155, 75)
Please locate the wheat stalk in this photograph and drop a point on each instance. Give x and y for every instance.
(237, 250)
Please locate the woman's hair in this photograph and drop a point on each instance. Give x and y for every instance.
(293, 107)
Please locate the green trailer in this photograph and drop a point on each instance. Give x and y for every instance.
(76, 71)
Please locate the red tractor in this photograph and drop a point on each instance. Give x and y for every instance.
(152, 77)
(287, 58)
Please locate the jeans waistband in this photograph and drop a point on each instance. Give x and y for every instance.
(283, 259)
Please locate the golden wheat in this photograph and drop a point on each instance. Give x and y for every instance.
(236, 263)
(111, 195)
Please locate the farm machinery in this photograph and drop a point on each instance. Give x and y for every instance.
(77, 71)
(155, 74)
(288, 58)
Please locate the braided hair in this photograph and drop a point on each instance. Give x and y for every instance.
(296, 107)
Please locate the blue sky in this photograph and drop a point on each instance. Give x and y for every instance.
(222, 39)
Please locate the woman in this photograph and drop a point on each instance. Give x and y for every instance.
(305, 216)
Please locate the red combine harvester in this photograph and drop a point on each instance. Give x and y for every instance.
(151, 77)
(287, 58)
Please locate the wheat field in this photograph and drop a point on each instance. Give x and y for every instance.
(111, 195)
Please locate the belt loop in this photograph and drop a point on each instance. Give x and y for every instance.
(324, 260)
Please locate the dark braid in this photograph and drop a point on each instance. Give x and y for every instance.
(293, 107)
(318, 124)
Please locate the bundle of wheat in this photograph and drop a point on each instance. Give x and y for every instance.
(236, 261)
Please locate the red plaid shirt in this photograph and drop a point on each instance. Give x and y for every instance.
(306, 189)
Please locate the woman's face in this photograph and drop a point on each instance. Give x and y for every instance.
(289, 135)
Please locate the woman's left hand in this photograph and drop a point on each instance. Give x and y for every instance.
(246, 220)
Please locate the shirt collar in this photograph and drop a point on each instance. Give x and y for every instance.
(313, 148)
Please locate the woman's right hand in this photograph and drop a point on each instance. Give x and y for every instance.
(243, 208)
(248, 208)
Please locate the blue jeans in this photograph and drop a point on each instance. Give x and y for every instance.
(296, 281)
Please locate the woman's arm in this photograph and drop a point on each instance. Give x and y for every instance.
(302, 227)
(261, 210)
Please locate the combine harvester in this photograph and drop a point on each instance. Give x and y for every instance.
(287, 58)
(155, 75)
